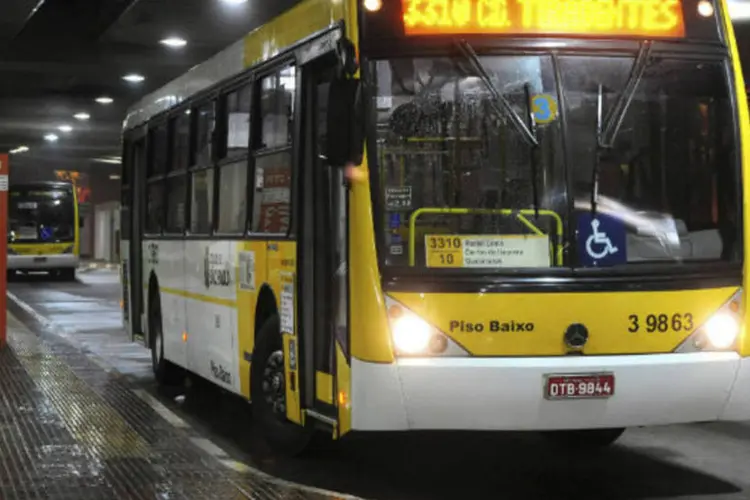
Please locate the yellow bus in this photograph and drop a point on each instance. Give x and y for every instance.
(43, 228)
(450, 215)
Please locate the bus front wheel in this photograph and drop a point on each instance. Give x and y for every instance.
(585, 438)
(67, 274)
(268, 392)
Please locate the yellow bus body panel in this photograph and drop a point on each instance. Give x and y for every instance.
(246, 306)
(530, 324)
(40, 248)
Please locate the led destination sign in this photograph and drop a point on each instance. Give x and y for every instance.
(646, 18)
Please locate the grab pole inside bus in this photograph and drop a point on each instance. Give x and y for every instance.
(4, 173)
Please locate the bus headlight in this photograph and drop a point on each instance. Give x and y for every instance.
(413, 336)
(720, 332)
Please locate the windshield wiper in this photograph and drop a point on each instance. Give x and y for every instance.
(507, 109)
(528, 133)
(607, 129)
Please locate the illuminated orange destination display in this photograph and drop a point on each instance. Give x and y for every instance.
(647, 18)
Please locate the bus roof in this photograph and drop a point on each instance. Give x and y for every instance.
(223, 65)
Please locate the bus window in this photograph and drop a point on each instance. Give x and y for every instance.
(205, 123)
(176, 204)
(180, 131)
(669, 176)
(453, 164)
(155, 207)
(273, 187)
(158, 146)
(237, 122)
(277, 108)
(202, 201)
(273, 169)
(232, 197)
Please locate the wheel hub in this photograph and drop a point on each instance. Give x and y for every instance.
(274, 390)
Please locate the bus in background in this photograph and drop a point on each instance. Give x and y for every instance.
(450, 214)
(43, 228)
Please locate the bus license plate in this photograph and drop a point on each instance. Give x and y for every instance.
(40, 259)
(584, 386)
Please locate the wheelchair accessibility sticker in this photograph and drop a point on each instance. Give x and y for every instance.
(601, 240)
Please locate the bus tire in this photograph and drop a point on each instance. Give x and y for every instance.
(268, 392)
(585, 439)
(165, 372)
(68, 273)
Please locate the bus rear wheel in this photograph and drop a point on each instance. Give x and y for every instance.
(585, 439)
(166, 373)
(268, 392)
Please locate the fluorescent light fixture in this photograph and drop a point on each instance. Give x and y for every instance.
(234, 2)
(19, 149)
(114, 177)
(104, 100)
(65, 128)
(174, 42)
(51, 138)
(113, 160)
(134, 78)
(739, 10)
(82, 116)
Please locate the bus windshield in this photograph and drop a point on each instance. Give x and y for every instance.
(41, 216)
(463, 185)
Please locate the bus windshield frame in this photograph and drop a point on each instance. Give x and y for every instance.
(583, 107)
(41, 215)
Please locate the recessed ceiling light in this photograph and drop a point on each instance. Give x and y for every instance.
(174, 42)
(234, 2)
(65, 128)
(104, 100)
(134, 78)
(19, 149)
(82, 116)
(51, 138)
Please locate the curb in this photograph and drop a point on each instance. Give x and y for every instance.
(93, 266)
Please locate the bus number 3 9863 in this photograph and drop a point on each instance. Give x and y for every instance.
(661, 323)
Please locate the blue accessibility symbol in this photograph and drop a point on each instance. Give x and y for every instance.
(46, 233)
(602, 240)
(395, 220)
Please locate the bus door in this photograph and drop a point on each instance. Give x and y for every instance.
(131, 216)
(323, 249)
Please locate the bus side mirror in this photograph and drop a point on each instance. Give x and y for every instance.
(345, 137)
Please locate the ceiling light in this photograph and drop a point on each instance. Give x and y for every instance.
(82, 116)
(174, 42)
(134, 78)
(104, 100)
(234, 2)
(705, 8)
(65, 128)
(373, 5)
(114, 177)
(19, 149)
(51, 138)
(739, 11)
